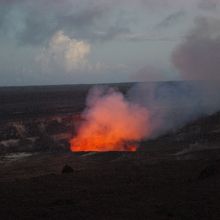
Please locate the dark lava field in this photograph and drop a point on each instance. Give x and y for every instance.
(174, 176)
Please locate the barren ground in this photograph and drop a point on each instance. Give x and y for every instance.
(110, 186)
(176, 176)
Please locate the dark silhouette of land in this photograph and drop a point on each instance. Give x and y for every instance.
(175, 176)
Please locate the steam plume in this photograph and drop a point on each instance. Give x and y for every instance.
(111, 123)
(173, 104)
(197, 58)
(153, 108)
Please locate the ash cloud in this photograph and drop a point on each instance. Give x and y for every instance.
(197, 58)
(173, 104)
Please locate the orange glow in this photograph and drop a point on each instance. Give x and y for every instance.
(111, 124)
(99, 144)
(132, 148)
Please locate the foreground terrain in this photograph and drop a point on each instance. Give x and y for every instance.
(110, 186)
(174, 176)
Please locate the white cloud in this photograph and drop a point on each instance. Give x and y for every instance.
(67, 53)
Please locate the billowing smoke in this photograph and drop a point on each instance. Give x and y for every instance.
(154, 108)
(114, 122)
(173, 104)
(111, 123)
(197, 58)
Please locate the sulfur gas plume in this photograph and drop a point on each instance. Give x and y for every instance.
(111, 123)
(115, 123)
(173, 104)
(197, 57)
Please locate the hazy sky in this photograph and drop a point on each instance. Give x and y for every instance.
(93, 41)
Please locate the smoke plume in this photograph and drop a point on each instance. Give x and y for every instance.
(114, 122)
(111, 123)
(197, 58)
(173, 104)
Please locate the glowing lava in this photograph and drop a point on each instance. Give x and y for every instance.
(111, 123)
(99, 144)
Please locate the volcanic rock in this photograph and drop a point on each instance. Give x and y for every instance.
(67, 169)
(210, 170)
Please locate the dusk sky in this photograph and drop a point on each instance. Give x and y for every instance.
(101, 41)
